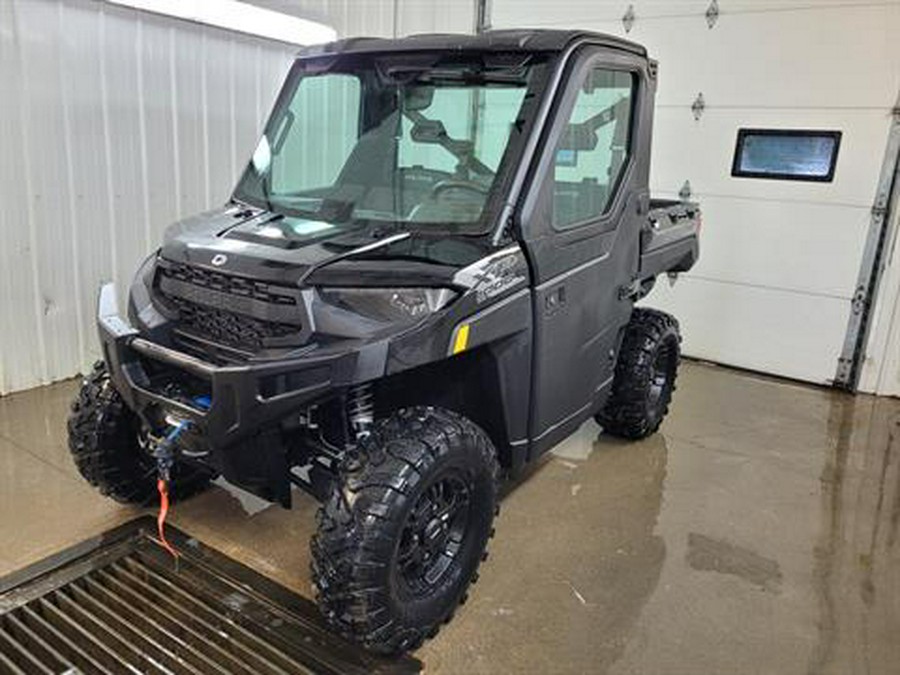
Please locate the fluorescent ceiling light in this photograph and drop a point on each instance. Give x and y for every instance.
(239, 16)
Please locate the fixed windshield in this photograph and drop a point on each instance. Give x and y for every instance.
(422, 141)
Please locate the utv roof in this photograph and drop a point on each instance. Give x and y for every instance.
(489, 41)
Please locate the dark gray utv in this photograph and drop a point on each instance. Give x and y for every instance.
(424, 280)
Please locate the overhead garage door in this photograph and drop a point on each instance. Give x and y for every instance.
(780, 259)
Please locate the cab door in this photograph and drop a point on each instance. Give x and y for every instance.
(581, 225)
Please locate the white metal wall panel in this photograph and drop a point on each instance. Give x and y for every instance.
(779, 259)
(383, 18)
(188, 113)
(113, 124)
(43, 135)
(23, 353)
(431, 16)
(125, 176)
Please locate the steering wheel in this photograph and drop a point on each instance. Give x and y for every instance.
(469, 185)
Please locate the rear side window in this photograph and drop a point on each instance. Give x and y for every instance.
(593, 150)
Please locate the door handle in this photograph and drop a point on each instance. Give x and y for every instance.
(555, 300)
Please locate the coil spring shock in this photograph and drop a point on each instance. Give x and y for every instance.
(361, 410)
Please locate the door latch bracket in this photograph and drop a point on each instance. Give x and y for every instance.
(630, 290)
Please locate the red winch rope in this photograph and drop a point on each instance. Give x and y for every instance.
(163, 488)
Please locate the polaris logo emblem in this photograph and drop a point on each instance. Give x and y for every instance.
(219, 259)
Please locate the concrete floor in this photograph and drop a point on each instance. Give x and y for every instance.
(755, 534)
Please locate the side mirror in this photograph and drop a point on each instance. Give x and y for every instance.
(417, 97)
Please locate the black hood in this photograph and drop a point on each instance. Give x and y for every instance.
(281, 249)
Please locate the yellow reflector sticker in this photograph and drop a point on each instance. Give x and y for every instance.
(462, 339)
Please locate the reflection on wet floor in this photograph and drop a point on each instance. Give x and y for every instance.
(856, 573)
(717, 555)
(756, 533)
(248, 501)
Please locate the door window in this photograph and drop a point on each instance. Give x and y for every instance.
(593, 149)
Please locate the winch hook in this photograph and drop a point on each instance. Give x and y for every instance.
(164, 454)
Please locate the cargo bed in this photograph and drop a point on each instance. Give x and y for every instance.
(670, 241)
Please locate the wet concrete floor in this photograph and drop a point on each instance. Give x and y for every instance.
(757, 533)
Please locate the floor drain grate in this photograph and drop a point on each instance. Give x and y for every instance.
(117, 604)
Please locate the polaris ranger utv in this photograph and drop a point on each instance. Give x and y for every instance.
(424, 280)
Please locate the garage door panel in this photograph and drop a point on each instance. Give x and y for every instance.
(709, 144)
(741, 6)
(803, 247)
(777, 58)
(541, 14)
(769, 330)
(780, 259)
(819, 67)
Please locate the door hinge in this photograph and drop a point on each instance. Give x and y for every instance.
(630, 290)
(698, 106)
(628, 19)
(712, 13)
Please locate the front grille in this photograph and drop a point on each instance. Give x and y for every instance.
(229, 328)
(230, 310)
(232, 285)
(118, 604)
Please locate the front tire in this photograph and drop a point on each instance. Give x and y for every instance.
(104, 444)
(645, 375)
(402, 536)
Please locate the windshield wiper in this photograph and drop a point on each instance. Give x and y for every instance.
(348, 254)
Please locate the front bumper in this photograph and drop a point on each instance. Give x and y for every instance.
(243, 399)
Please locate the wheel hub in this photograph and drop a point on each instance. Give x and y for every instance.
(660, 374)
(434, 532)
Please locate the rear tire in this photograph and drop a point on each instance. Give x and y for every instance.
(645, 375)
(104, 443)
(402, 536)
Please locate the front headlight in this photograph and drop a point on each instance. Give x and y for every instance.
(389, 304)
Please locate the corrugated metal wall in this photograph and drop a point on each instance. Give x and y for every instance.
(383, 17)
(113, 124)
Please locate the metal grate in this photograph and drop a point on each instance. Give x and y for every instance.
(119, 605)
